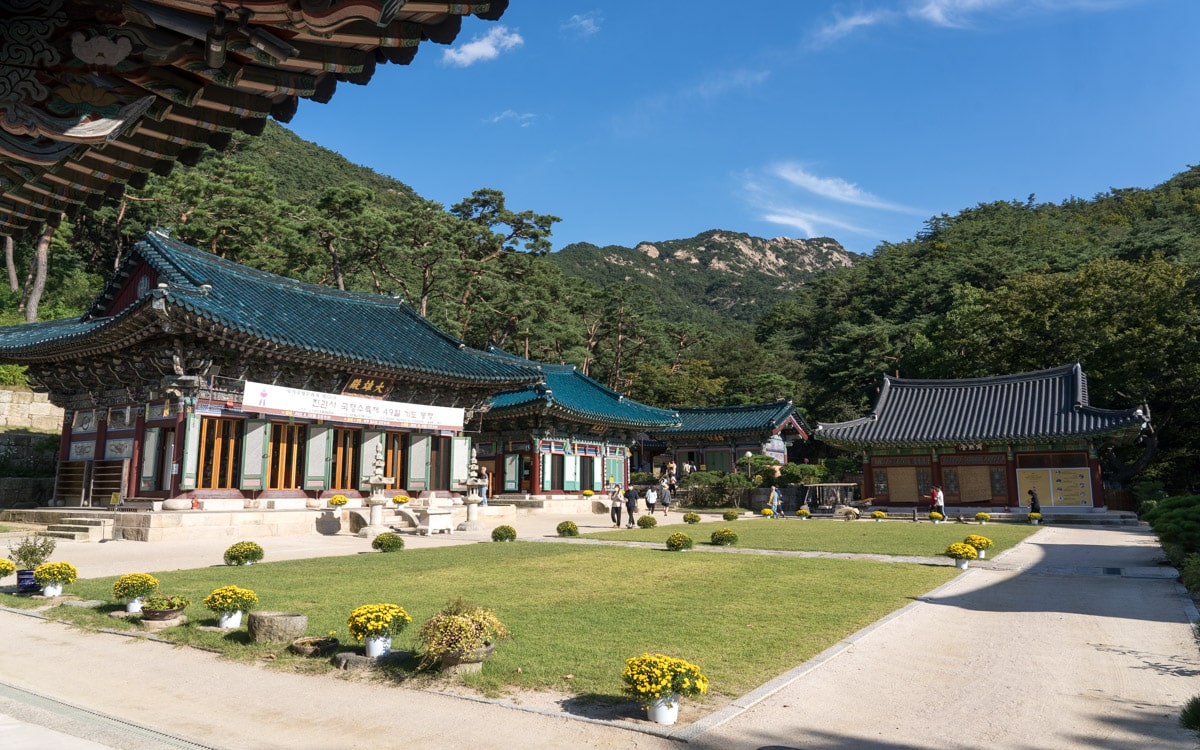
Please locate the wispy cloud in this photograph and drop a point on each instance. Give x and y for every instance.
(811, 223)
(726, 81)
(584, 24)
(487, 47)
(954, 14)
(833, 188)
(524, 119)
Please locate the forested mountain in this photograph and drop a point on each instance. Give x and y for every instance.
(721, 318)
(726, 280)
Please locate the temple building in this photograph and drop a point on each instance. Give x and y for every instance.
(987, 441)
(562, 436)
(714, 438)
(212, 385)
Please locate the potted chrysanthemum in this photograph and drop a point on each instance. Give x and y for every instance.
(679, 541)
(1035, 518)
(980, 543)
(133, 588)
(243, 553)
(983, 518)
(53, 576)
(962, 553)
(460, 634)
(658, 681)
(229, 603)
(401, 499)
(337, 501)
(376, 624)
(935, 516)
(804, 514)
(878, 515)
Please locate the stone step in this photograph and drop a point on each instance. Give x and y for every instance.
(106, 522)
(77, 536)
(80, 529)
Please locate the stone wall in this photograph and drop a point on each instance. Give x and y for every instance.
(22, 410)
(26, 492)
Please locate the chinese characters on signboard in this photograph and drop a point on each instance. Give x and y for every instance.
(295, 402)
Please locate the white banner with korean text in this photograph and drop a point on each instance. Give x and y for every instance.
(295, 402)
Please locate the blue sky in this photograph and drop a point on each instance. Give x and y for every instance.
(659, 120)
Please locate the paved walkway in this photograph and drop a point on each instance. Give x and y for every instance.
(1075, 639)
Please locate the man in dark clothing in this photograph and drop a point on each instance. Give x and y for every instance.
(1034, 505)
(631, 500)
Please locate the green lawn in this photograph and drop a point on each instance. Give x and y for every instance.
(573, 609)
(903, 538)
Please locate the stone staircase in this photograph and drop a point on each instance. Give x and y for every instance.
(81, 529)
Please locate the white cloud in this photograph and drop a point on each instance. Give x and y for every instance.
(954, 13)
(812, 224)
(725, 81)
(834, 188)
(524, 119)
(487, 47)
(584, 24)
(844, 26)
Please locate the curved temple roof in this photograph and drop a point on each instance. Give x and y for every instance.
(99, 93)
(1019, 408)
(752, 419)
(202, 292)
(568, 393)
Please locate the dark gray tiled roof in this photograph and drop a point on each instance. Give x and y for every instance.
(570, 394)
(365, 329)
(1004, 409)
(752, 419)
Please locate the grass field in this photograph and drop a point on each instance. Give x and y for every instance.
(903, 538)
(577, 610)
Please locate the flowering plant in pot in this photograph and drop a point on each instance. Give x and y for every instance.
(961, 551)
(388, 541)
(243, 553)
(401, 499)
(803, 513)
(504, 533)
(768, 512)
(724, 537)
(647, 522)
(1035, 518)
(56, 572)
(879, 515)
(650, 677)
(160, 606)
(731, 515)
(376, 620)
(134, 586)
(32, 550)
(935, 516)
(983, 517)
(588, 493)
(567, 528)
(7, 568)
(980, 543)
(230, 599)
(460, 632)
(691, 518)
(338, 500)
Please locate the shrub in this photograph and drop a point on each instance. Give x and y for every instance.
(159, 600)
(230, 599)
(1189, 572)
(724, 537)
(504, 533)
(641, 477)
(691, 518)
(374, 620)
(459, 627)
(134, 586)
(243, 553)
(1175, 520)
(1189, 717)
(801, 474)
(567, 528)
(388, 541)
(731, 515)
(32, 550)
(679, 541)
(647, 522)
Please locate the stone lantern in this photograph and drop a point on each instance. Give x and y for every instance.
(377, 499)
(473, 498)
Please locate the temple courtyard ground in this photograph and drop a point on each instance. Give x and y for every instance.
(1077, 638)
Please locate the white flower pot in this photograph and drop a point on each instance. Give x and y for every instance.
(52, 589)
(664, 710)
(982, 554)
(376, 646)
(133, 606)
(961, 563)
(230, 620)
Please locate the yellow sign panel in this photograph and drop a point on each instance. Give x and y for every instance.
(1056, 487)
(115, 499)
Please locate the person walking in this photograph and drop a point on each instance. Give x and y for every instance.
(939, 501)
(776, 504)
(651, 499)
(664, 496)
(631, 500)
(1035, 505)
(614, 511)
(483, 488)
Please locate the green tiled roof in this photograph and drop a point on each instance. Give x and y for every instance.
(568, 393)
(203, 290)
(1028, 407)
(753, 419)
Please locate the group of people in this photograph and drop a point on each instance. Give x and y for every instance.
(656, 497)
(937, 501)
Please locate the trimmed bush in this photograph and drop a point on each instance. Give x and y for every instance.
(691, 518)
(724, 537)
(679, 541)
(567, 528)
(1190, 716)
(504, 533)
(647, 522)
(731, 515)
(388, 542)
(243, 553)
